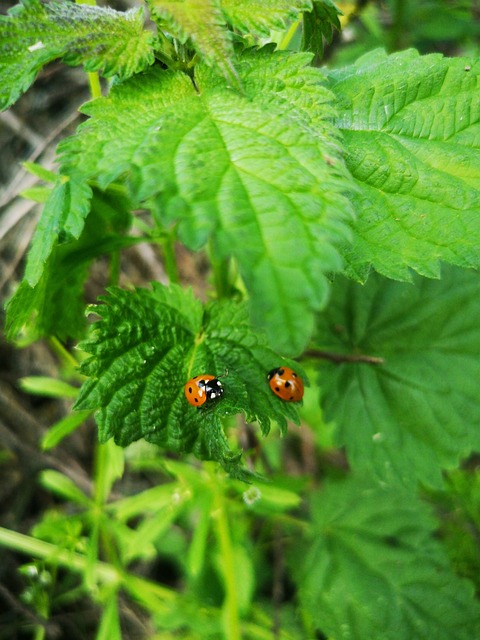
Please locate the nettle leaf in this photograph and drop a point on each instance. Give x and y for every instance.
(35, 33)
(371, 568)
(318, 26)
(418, 412)
(54, 305)
(259, 173)
(62, 218)
(411, 129)
(259, 17)
(202, 23)
(148, 344)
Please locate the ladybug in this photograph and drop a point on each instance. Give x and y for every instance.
(286, 384)
(203, 388)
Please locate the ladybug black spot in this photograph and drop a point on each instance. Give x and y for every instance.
(287, 384)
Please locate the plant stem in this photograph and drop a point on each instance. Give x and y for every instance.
(69, 559)
(228, 565)
(93, 79)
(397, 34)
(221, 274)
(95, 86)
(114, 268)
(343, 357)
(62, 353)
(168, 247)
(288, 36)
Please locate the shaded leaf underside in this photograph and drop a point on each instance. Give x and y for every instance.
(374, 570)
(418, 412)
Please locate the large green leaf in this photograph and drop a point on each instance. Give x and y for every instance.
(259, 173)
(35, 33)
(371, 568)
(419, 411)
(145, 348)
(411, 127)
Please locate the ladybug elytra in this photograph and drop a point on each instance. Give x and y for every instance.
(203, 388)
(286, 384)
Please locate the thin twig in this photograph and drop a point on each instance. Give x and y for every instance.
(344, 357)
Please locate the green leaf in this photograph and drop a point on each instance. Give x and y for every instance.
(411, 129)
(63, 486)
(371, 568)
(48, 387)
(55, 305)
(201, 22)
(258, 173)
(35, 33)
(418, 412)
(318, 26)
(64, 213)
(145, 348)
(62, 429)
(259, 17)
(109, 628)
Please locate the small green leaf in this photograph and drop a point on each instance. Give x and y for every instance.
(55, 305)
(371, 568)
(148, 501)
(35, 33)
(48, 387)
(64, 213)
(418, 412)
(40, 172)
(318, 26)
(410, 126)
(63, 486)
(145, 348)
(201, 22)
(63, 428)
(259, 17)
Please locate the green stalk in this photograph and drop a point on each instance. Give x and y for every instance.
(64, 355)
(288, 36)
(170, 260)
(399, 14)
(93, 79)
(151, 594)
(114, 276)
(53, 553)
(221, 274)
(228, 563)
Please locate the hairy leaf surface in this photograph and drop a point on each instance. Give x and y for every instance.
(148, 344)
(318, 26)
(258, 17)
(258, 173)
(418, 412)
(35, 33)
(411, 127)
(202, 23)
(371, 568)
